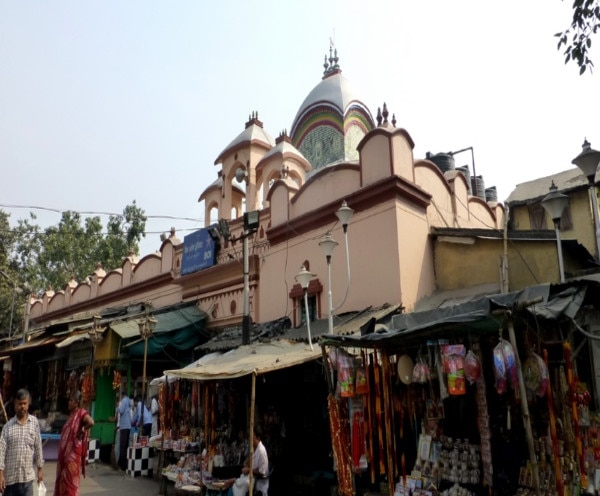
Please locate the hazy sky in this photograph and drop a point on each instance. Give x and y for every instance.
(106, 102)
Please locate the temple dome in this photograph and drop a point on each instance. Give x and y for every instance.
(332, 119)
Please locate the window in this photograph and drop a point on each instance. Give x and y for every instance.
(537, 217)
(296, 294)
(312, 309)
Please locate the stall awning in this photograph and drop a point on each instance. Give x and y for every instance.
(157, 381)
(32, 344)
(481, 314)
(258, 358)
(73, 338)
(180, 326)
(168, 321)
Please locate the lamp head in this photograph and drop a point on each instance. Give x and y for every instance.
(328, 245)
(240, 175)
(152, 324)
(251, 220)
(588, 161)
(304, 277)
(554, 203)
(344, 214)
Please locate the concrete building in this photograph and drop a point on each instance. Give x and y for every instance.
(417, 238)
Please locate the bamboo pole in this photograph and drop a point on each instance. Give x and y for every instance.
(524, 407)
(557, 470)
(387, 403)
(575, 414)
(251, 431)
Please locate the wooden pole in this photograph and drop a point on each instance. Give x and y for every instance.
(525, 408)
(557, 470)
(251, 430)
(3, 409)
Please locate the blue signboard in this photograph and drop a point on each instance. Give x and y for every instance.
(199, 251)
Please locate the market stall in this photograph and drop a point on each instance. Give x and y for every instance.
(482, 397)
(226, 441)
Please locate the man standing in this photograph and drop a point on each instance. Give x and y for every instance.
(21, 450)
(142, 417)
(260, 464)
(154, 410)
(124, 415)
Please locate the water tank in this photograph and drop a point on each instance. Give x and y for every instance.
(491, 195)
(467, 173)
(444, 161)
(478, 187)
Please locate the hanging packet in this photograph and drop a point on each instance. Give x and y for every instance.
(499, 369)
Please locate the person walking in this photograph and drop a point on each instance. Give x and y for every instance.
(124, 415)
(21, 458)
(73, 448)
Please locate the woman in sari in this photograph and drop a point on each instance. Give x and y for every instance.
(73, 448)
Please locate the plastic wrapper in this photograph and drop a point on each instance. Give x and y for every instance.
(454, 366)
(535, 374)
(510, 363)
(421, 373)
(472, 367)
(499, 370)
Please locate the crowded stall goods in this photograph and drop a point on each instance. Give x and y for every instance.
(488, 403)
(217, 409)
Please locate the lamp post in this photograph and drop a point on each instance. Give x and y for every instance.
(303, 278)
(146, 326)
(588, 161)
(344, 214)
(95, 336)
(251, 222)
(554, 204)
(328, 245)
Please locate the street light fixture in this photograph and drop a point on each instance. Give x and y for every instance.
(554, 204)
(303, 278)
(344, 214)
(588, 161)
(146, 327)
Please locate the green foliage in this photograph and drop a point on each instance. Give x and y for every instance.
(577, 39)
(47, 259)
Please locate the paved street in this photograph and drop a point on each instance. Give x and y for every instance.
(103, 479)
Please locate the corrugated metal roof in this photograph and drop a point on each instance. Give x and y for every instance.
(290, 349)
(533, 191)
(281, 329)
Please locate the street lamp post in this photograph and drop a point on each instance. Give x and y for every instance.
(251, 223)
(588, 161)
(344, 213)
(554, 204)
(146, 327)
(303, 278)
(328, 245)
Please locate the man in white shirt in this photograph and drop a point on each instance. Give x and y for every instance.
(260, 465)
(154, 412)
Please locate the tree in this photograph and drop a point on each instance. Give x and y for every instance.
(11, 291)
(32, 259)
(577, 39)
(73, 248)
